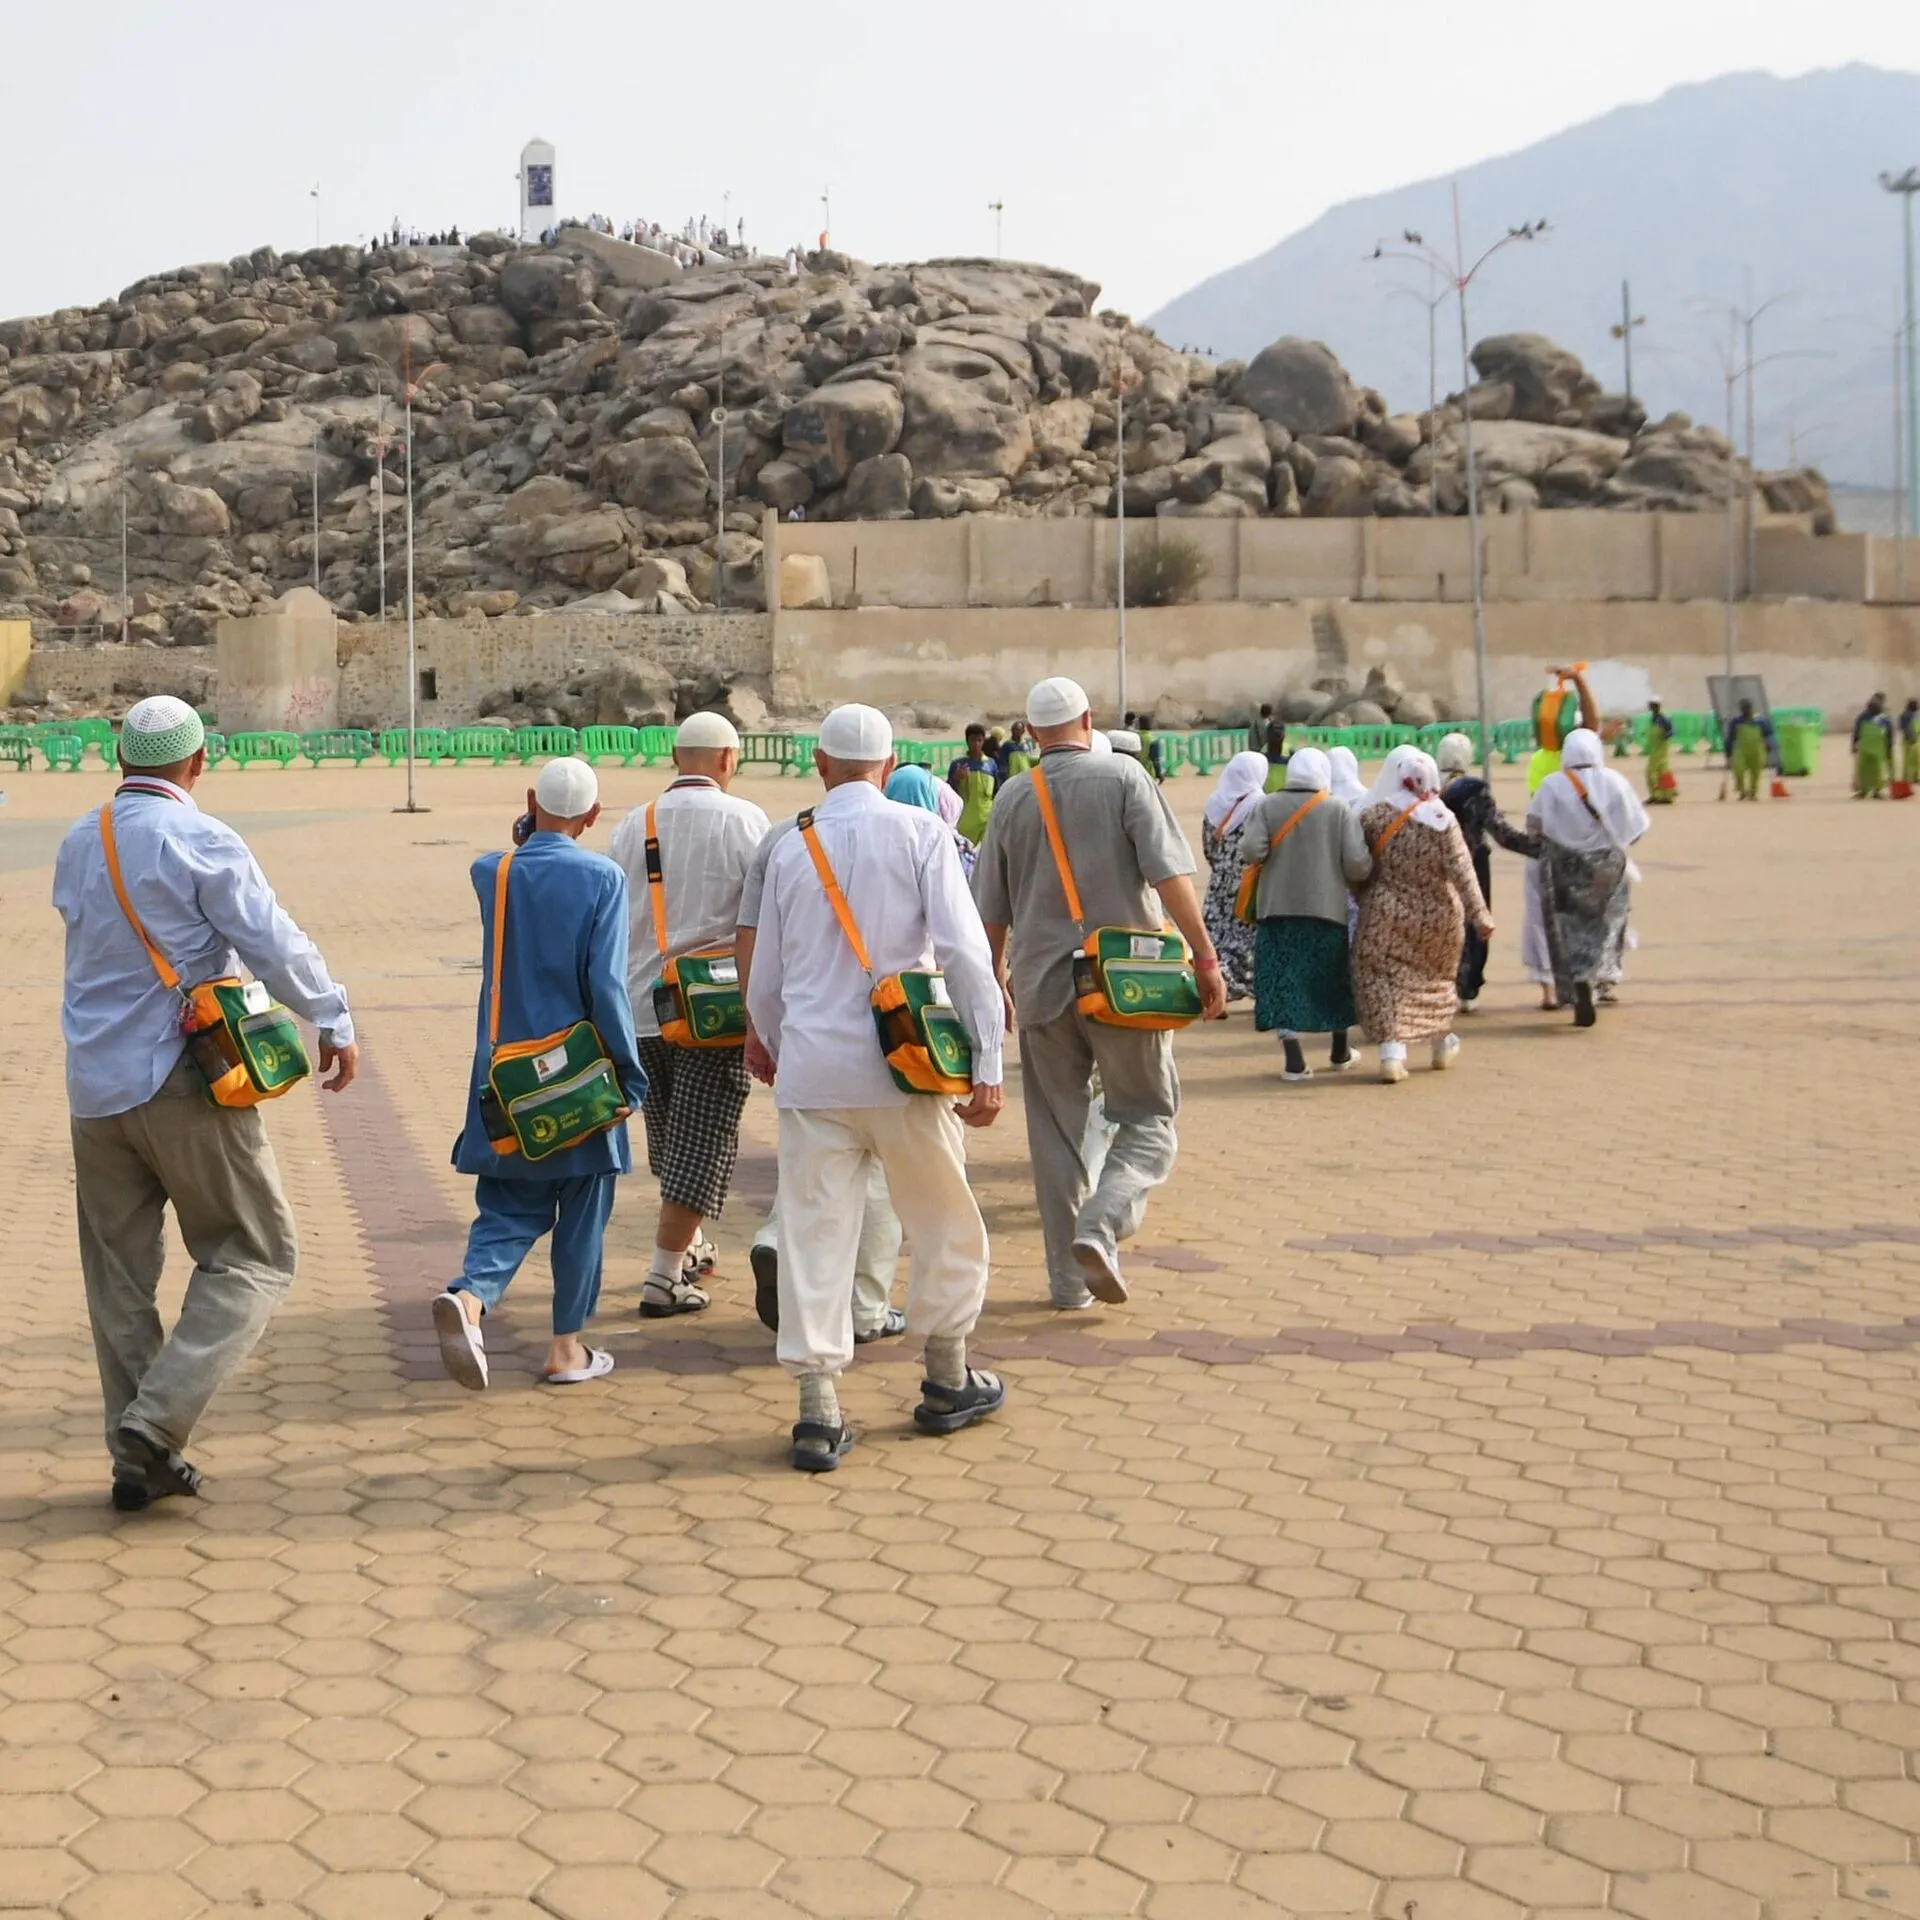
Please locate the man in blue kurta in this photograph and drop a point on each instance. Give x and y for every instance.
(564, 960)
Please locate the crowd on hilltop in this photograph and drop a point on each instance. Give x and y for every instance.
(401, 235)
(692, 244)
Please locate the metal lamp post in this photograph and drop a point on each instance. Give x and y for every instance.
(998, 208)
(1622, 330)
(1433, 303)
(1120, 522)
(408, 387)
(1460, 276)
(1906, 185)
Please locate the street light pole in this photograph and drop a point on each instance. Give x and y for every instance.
(1623, 330)
(1906, 185)
(998, 209)
(1460, 276)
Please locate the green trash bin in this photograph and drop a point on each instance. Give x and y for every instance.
(1799, 746)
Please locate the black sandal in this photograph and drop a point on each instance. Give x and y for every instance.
(1583, 1013)
(832, 1445)
(948, 1409)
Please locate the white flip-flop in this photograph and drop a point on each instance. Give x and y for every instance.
(463, 1348)
(599, 1365)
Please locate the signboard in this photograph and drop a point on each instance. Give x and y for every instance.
(540, 186)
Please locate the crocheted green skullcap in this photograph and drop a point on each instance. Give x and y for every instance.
(160, 731)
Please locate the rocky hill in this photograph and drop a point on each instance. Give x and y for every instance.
(568, 430)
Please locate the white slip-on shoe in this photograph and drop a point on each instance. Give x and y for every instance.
(1392, 1072)
(463, 1348)
(1102, 1270)
(1446, 1050)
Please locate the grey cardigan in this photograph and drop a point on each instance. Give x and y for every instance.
(1325, 855)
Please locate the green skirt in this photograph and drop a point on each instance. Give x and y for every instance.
(1302, 977)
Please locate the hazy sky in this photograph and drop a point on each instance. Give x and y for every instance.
(1144, 146)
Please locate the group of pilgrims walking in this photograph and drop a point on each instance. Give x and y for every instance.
(1338, 907)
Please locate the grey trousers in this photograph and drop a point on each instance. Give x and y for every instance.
(1141, 1093)
(217, 1168)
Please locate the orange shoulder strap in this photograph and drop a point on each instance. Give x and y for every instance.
(499, 942)
(1062, 865)
(835, 898)
(169, 978)
(656, 880)
(1291, 821)
(1380, 846)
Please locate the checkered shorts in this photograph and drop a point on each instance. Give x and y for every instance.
(695, 1097)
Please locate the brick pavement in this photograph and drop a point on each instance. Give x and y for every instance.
(1502, 1498)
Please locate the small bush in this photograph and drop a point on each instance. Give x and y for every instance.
(1166, 574)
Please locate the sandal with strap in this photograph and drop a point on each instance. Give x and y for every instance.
(661, 1302)
(948, 1409)
(818, 1448)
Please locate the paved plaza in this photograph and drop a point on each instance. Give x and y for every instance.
(1501, 1497)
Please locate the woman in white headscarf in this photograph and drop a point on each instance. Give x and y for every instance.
(1310, 853)
(1347, 784)
(1586, 816)
(1414, 914)
(1470, 800)
(1234, 795)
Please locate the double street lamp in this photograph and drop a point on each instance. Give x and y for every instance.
(1906, 185)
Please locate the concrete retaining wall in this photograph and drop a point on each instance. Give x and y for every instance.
(1222, 659)
(117, 675)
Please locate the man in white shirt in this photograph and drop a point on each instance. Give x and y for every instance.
(145, 1133)
(695, 1095)
(809, 999)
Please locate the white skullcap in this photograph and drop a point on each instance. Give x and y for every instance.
(567, 789)
(1057, 702)
(707, 730)
(1123, 740)
(160, 731)
(856, 733)
(1101, 744)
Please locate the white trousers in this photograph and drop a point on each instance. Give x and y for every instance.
(876, 1259)
(1534, 955)
(823, 1176)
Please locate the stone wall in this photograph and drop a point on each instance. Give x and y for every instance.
(116, 676)
(1222, 659)
(16, 640)
(460, 662)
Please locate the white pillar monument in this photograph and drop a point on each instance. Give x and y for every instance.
(536, 188)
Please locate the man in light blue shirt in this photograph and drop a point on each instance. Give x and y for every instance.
(145, 1133)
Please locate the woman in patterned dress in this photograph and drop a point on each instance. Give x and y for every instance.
(1234, 795)
(1414, 913)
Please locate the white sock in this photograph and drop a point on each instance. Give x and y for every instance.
(1392, 1050)
(819, 1401)
(666, 1266)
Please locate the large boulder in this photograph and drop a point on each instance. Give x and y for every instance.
(830, 432)
(545, 286)
(1340, 489)
(227, 407)
(663, 478)
(194, 512)
(783, 484)
(1299, 385)
(1548, 384)
(880, 489)
(956, 427)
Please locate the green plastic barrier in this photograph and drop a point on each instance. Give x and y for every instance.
(429, 743)
(1211, 749)
(16, 744)
(277, 749)
(544, 743)
(935, 755)
(338, 743)
(63, 751)
(764, 750)
(609, 743)
(491, 744)
(656, 745)
(216, 747)
(800, 751)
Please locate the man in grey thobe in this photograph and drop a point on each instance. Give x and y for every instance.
(1124, 847)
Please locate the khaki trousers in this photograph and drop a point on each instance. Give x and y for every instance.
(824, 1155)
(216, 1167)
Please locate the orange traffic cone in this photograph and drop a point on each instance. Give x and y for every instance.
(1901, 789)
(1779, 789)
